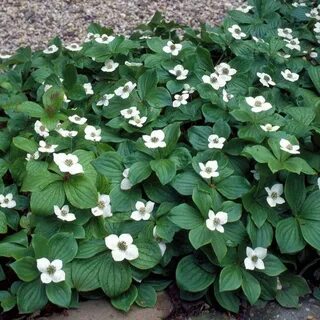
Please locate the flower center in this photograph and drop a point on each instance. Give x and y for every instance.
(225, 71)
(6, 200)
(266, 78)
(213, 79)
(142, 210)
(289, 146)
(122, 245)
(93, 134)
(208, 170)
(51, 269)
(77, 118)
(68, 162)
(74, 46)
(173, 47)
(125, 88)
(274, 195)
(129, 111)
(101, 205)
(154, 139)
(254, 259)
(64, 212)
(216, 221)
(258, 104)
(178, 73)
(237, 31)
(42, 128)
(215, 140)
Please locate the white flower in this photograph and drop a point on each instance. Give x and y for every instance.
(5, 56)
(173, 48)
(286, 146)
(257, 40)
(161, 244)
(290, 76)
(215, 142)
(299, 4)
(215, 80)
(317, 27)
(92, 134)
(88, 88)
(133, 64)
(143, 211)
(285, 33)
(63, 213)
(40, 129)
(103, 208)
(318, 183)
(130, 112)
(67, 133)
(225, 71)
(254, 258)
(269, 127)
(258, 104)
(283, 55)
(274, 195)
(68, 163)
(110, 66)
(125, 182)
(279, 285)
(91, 36)
(104, 101)
(121, 247)
(34, 156)
(244, 8)
(155, 140)
(236, 32)
(180, 99)
(145, 37)
(51, 49)
(256, 174)
(314, 54)
(104, 38)
(216, 221)
(6, 201)
(125, 90)
(51, 271)
(313, 14)
(73, 47)
(226, 96)
(209, 170)
(137, 121)
(179, 72)
(188, 89)
(265, 79)
(47, 147)
(77, 119)
(293, 44)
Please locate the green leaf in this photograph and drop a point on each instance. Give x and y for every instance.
(230, 278)
(30, 108)
(89, 248)
(165, 170)
(314, 74)
(273, 265)
(147, 296)
(53, 100)
(123, 200)
(125, 300)
(219, 245)
(310, 230)
(251, 287)
(204, 60)
(200, 236)
(63, 246)
(147, 82)
(59, 294)
(159, 97)
(234, 187)
(198, 137)
(69, 74)
(259, 153)
(139, 172)
(114, 277)
(185, 182)
(25, 144)
(191, 276)
(298, 165)
(25, 268)
(311, 207)
(31, 296)
(227, 300)
(81, 192)
(3, 223)
(295, 192)
(185, 217)
(202, 200)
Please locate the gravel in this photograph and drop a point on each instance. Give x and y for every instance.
(35, 22)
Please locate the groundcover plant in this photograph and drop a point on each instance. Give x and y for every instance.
(172, 155)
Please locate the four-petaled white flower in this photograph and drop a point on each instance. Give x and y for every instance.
(5, 56)
(91, 36)
(255, 258)
(188, 89)
(46, 147)
(226, 96)
(258, 104)
(244, 8)
(236, 32)
(285, 33)
(67, 133)
(269, 127)
(265, 79)
(103, 208)
(143, 211)
(313, 14)
(73, 47)
(92, 134)
(68, 163)
(110, 66)
(125, 90)
(138, 121)
(209, 170)
(225, 71)
(77, 119)
(180, 99)
(64, 213)
(216, 142)
(125, 182)
(173, 48)
(122, 247)
(179, 72)
(6, 201)
(40, 129)
(298, 4)
(130, 112)
(161, 243)
(286, 146)
(104, 101)
(155, 140)
(33, 156)
(274, 195)
(88, 88)
(293, 44)
(290, 76)
(216, 221)
(51, 49)
(215, 80)
(104, 38)
(316, 28)
(51, 271)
